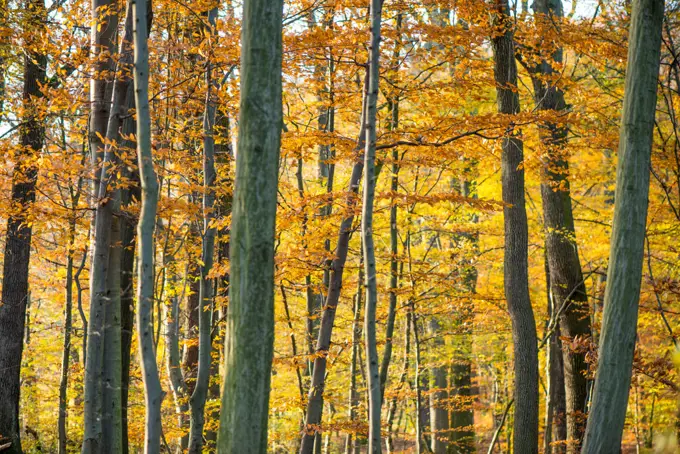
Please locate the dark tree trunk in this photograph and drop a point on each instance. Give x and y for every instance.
(19, 232)
(516, 241)
(567, 286)
(315, 400)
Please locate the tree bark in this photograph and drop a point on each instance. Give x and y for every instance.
(619, 320)
(68, 325)
(370, 338)
(173, 358)
(127, 270)
(250, 317)
(566, 278)
(103, 368)
(439, 415)
(315, 399)
(393, 124)
(525, 424)
(205, 309)
(19, 231)
(462, 439)
(153, 394)
(352, 445)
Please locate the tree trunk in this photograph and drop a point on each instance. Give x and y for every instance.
(19, 232)
(516, 242)
(567, 285)
(462, 439)
(351, 441)
(127, 271)
(103, 35)
(439, 415)
(103, 367)
(205, 310)
(68, 326)
(153, 394)
(391, 412)
(619, 321)
(173, 357)
(315, 399)
(421, 443)
(190, 354)
(370, 338)
(250, 318)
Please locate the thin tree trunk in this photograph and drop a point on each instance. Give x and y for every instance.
(567, 285)
(315, 399)
(173, 357)
(393, 104)
(402, 380)
(205, 311)
(153, 394)
(250, 318)
(372, 362)
(127, 271)
(421, 443)
(351, 441)
(516, 242)
(19, 232)
(462, 439)
(190, 354)
(68, 326)
(619, 321)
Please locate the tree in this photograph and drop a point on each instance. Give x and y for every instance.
(567, 286)
(515, 266)
(15, 290)
(619, 320)
(372, 362)
(153, 394)
(250, 316)
(198, 397)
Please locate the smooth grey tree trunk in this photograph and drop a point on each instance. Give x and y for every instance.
(619, 320)
(370, 335)
(153, 394)
(18, 235)
(525, 423)
(103, 35)
(103, 367)
(250, 317)
(567, 285)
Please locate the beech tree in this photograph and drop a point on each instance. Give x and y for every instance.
(372, 362)
(515, 266)
(619, 320)
(250, 317)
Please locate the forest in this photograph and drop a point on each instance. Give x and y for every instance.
(340, 226)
